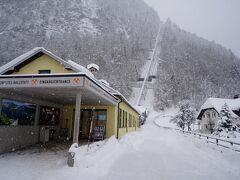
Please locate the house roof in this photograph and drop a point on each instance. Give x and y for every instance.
(21, 59)
(118, 94)
(67, 64)
(217, 104)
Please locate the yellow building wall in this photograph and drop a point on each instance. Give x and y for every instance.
(127, 129)
(47, 63)
(111, 126)
(43, 63)
(112, 119)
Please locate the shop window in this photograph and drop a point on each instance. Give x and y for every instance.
(123, 119)
(49, 116)
(101, 115)
(126, 115)
(120, 118)
(130, 120)
(17, 113)
(45, 71)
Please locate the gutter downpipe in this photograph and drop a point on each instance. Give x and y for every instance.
(118, 118)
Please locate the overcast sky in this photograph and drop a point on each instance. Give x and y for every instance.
(217, 20)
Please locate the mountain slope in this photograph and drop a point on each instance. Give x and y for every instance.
(194, 69)
(112, 33)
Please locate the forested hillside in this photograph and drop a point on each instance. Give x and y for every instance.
(194, 69)
(115, 34)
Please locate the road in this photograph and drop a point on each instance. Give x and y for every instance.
(152, 153)
(169, 155)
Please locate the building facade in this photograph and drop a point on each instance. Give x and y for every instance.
(40, 91)
(209, 114)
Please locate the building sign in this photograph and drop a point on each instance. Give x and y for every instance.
(41, 82)
(98, 133)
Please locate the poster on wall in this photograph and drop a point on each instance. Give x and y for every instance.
(17, 113)
(49, 116)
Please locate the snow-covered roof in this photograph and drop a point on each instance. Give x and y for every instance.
(93, 66)
(80, 68)
(104, 82)
(67, 64)
(116, 93)
(20, 59)
(217, 104)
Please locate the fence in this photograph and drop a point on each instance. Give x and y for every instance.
(214, 140)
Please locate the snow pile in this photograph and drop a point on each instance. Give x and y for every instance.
(163, 118)
(99, 155)
(229, 136)
(102, 154)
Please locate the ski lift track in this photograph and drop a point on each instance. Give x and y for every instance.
(149, 68)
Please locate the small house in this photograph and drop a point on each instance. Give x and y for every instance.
(209, 113)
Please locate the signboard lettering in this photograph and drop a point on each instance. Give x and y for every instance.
(41, 82)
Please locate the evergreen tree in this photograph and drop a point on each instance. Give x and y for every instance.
(225, 124)
(185, 116)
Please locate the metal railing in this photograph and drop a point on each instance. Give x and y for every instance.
(215, 140)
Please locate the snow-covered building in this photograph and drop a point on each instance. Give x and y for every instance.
(209, 113)
(43, 96)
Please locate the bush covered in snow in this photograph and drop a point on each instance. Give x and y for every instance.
(185, 116)
(225, 125)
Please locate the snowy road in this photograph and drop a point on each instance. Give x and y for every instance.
(168, 155)
(152, 153)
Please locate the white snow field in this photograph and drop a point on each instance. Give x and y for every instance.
(151, 153)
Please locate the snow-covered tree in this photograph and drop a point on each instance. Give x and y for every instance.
(185, 116)
(226, 122)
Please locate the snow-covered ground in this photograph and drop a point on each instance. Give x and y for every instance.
(163, 120)
(151, 153)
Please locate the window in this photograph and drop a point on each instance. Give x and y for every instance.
(101, 115)
(130, 120)
(134, 122)
(126, 115)
(208, 114)
(120, 118)
(45, 71)
(49, 116)
(213, 114)
(17, 113)
(123, 119)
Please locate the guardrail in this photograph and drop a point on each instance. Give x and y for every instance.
(209, 139)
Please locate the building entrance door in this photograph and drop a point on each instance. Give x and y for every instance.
(85, 123)
(98, 118)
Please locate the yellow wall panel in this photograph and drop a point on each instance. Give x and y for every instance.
(43, 63)
(110, 124)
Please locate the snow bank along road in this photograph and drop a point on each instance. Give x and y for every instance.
(152, 153)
